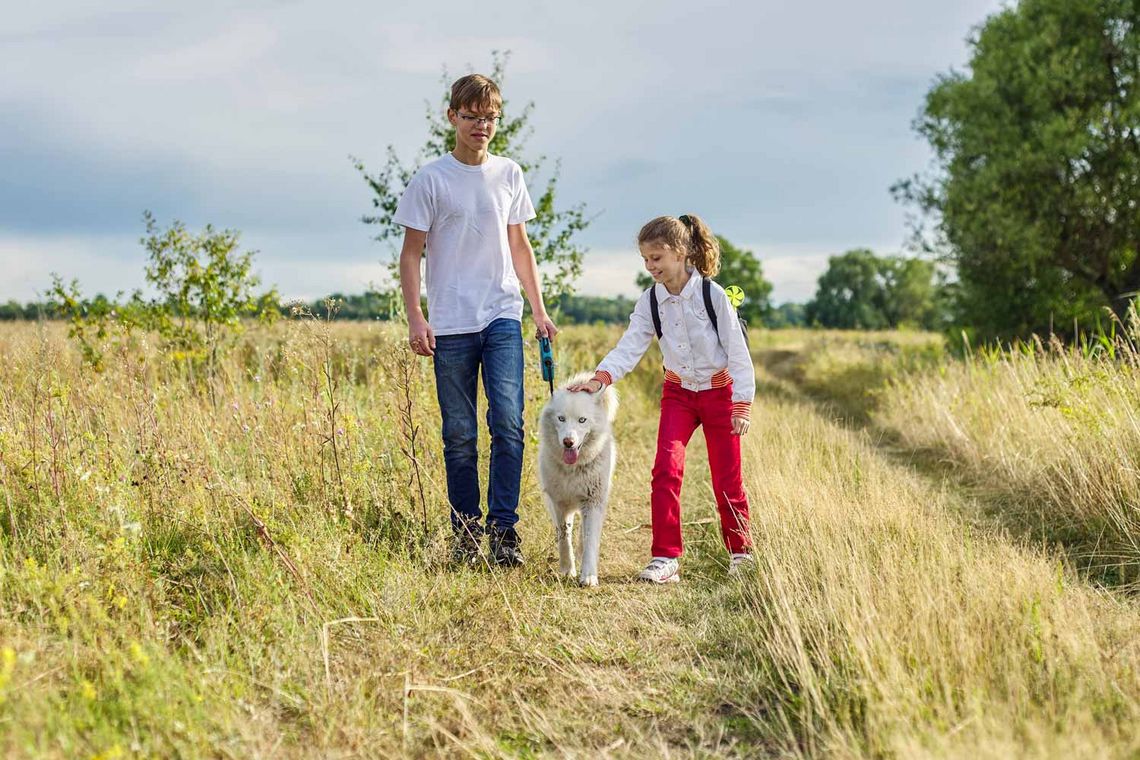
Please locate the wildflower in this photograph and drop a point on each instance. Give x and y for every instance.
(7, 667)
(138, 655)
(114, 752)
(87, 690)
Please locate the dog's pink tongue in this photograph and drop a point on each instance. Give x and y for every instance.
(569, 456)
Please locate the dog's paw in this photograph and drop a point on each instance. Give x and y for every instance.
(588, 580)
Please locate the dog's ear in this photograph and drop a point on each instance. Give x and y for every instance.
(607, 399)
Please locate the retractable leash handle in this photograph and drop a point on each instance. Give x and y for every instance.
(547, 359)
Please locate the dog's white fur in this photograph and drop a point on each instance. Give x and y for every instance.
(583, 420)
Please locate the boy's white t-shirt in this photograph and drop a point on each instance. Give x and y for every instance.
(465, 211)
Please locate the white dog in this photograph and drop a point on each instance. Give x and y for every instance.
(576, 457)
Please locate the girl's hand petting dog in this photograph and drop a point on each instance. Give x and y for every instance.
(590, 386)
(739, 425)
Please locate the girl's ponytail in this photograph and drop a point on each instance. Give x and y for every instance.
(704, 250)
(687, 234)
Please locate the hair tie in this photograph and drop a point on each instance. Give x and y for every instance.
(685, 220)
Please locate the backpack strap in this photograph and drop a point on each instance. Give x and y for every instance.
(706, 288)
(653, 310)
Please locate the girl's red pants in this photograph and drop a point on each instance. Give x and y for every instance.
(681, 412)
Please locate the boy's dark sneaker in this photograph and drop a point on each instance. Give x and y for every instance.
(465, 548)
(505, 550)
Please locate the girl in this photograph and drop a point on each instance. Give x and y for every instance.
(709, 381)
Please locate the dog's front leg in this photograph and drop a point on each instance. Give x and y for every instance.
(592, 517)
(565, 533)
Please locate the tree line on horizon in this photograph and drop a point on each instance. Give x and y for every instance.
(858, 291)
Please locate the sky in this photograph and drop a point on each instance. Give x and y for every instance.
(782, 124)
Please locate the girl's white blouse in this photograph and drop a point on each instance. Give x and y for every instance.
(690, 345)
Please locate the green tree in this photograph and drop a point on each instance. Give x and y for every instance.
(369, 305)
(850, 293)
(203, 288)
(93, 322)
(739, 267)
(584, 310)
(553, 233)
(32, 310)
(1035, 193)
(862, 291)
(788, 314)
(909, 292)
(11, 311)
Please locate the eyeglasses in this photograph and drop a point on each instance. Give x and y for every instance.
(481, 120)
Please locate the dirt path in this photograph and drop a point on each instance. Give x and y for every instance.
(876, 584)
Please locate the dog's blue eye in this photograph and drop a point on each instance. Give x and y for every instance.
(581, 419)
(561, 418)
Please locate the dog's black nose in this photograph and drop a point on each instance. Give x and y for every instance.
(568, 442)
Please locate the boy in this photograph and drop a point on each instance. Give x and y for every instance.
(471, 209)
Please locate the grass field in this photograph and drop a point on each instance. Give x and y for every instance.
(255, 568)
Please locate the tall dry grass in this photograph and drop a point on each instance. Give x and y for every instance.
(245, 571)
(253, 577)
(882, 624)
(1052, 431)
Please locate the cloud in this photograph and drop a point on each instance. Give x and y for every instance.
(421, 49)
(794, 270)
(775, 121)
(102, 264)
(229, 50)
(610, 272)
(794, 276)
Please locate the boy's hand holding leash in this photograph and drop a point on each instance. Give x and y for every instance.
(544, 332)
(544, 327)
(546, 359)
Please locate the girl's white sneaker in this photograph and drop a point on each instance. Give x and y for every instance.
(661, 570)
(739, 564)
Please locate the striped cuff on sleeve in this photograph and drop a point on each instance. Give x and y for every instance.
(603, 377)
(742, 409)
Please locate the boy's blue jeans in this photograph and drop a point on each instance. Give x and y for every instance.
(498, 351)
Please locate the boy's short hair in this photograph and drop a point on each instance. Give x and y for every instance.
(476, 92)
